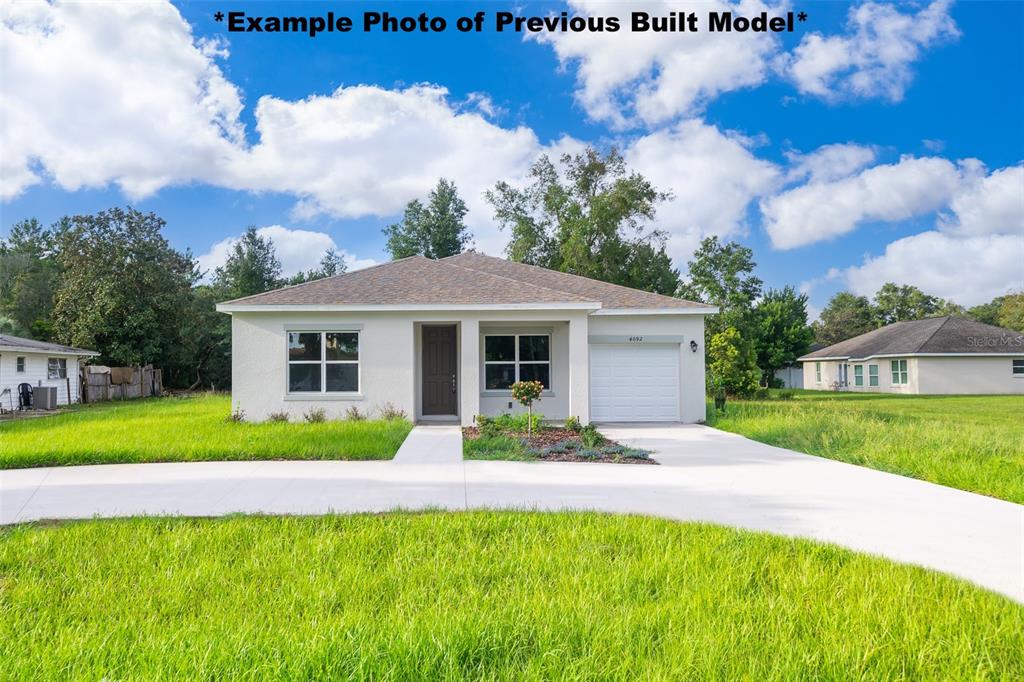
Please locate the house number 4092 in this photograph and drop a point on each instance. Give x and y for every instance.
(636, 339)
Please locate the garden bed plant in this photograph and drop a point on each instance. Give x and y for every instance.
(527, 438)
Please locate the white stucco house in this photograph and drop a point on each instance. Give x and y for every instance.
(937, 355)
(38, 363)
(444, 340)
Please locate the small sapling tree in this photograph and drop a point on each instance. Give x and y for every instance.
(526, 392)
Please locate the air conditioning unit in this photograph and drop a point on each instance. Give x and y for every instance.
(44, 397)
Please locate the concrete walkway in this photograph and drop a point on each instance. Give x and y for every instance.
(706, 475)
(431, 445)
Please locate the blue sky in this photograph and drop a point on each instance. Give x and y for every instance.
(877, 142)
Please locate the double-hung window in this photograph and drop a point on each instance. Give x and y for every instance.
(899, 372)
(323, 362)
(56, 368)
(872, 375)
(858, 375)
(509, 358)
(1018, 367)
(19, 365)
(817, 372)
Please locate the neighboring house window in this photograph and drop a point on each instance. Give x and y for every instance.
(817, 372)
(509, 358)
(872, 375)
(19, 365)
(1018, 367)
(56, 368)
(858, 375)
(323, 362)
(899, 372)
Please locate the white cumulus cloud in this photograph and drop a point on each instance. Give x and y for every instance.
(823, 210)
(649, 77)
(875, 57)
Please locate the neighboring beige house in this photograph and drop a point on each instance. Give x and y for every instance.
(445, 339)
(38, 363)
(937, 355)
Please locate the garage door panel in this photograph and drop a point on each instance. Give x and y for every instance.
(634, 382)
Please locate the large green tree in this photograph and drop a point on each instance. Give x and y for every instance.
(896, 303)
(1011, 312)
(435, 230)
(844, 316)
(782, 333)
(123, 289)
(251, 268)
(590, 219)
(723, 275)
(331, 264)
(28, 278)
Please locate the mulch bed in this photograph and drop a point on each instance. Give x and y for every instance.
(548, 436)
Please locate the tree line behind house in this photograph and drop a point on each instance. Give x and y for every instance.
(112, 282)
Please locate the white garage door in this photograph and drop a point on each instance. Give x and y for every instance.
(634, 383)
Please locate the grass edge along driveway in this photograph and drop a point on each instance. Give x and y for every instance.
(196, 428)
(481, 595)
(974, 443)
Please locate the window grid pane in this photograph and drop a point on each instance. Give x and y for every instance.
(323, 362)
(1018, 366)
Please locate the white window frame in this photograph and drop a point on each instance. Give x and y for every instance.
(517, 361)
(900, 371)
(1014, 366)
(858, 375)
(61, 370)
(323, 362)
(817, 372)
(872, 376)
(19, 364)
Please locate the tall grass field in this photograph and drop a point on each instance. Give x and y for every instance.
(974, 443)
(185, 429)
(495, 596)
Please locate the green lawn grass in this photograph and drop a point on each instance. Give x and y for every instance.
(503, 596)
(185, 429)
(974, 443)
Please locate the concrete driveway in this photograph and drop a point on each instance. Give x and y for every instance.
(706, 475)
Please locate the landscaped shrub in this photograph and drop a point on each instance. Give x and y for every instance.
(590, 453)
(557, 448)
(526, 392)
(518, 423)
(353, 414)
(591, 437)
(613, 449)
(635, 453)
(488, 427)
(388, 412)
(315, 415)
(277, 417)
(573, 424)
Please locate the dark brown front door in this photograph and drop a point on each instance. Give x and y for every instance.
(439, 370)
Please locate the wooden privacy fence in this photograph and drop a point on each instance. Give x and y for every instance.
(120, 383)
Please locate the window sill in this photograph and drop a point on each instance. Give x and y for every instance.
(321, 397)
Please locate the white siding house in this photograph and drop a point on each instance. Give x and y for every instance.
(37, 363)
(443, 341)
(939, 355)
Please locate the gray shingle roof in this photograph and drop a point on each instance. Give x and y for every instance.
(9, 341)
(466, 279)
(949, 334)
(609, 295)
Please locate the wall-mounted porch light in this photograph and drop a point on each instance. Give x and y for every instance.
(693, 346)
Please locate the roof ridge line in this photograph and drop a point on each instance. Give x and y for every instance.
(518, 282)
(945, 321)
(573, 274)
(324, 279)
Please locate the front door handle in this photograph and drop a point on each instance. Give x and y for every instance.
(453, 383)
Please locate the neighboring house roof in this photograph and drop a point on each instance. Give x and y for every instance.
(466, 279)
(930, 336)
(18, 343)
